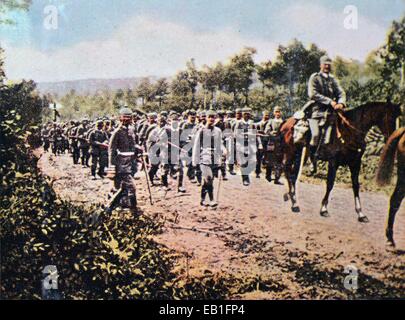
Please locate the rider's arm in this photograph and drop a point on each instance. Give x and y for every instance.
(340, 93)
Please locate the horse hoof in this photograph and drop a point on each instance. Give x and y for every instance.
(286, 197)
(325, 214)
(363, 219)
(296, 209)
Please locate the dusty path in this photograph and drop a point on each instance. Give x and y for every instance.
(254, 234)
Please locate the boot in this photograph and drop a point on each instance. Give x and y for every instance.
(203, 195)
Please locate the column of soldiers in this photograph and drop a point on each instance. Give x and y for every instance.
(205, 144)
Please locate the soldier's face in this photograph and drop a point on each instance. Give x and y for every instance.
(238, 115)
(266, 117)
(277, 114)
(211, 120)
(126, 120)
(326, 67)
(191, 118)
(246, 116)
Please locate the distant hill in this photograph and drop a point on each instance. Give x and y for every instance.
(88, 86)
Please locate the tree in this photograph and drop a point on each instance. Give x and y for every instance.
(161, 90)
(12, 5)
(144, 90)
(238, 74)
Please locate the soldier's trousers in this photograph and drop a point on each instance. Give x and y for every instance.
(85, 156)
(173, 169)
(197, 172)
(98, 159)
(152, 172)
(76, 155)
(209, 172)
(247, 162)
(259, 161)
(128, 195)
(46, 145)
(274, 162)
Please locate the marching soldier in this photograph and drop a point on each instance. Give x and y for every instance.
(220, 123)
(273, 146)
(247, 144)
(98, 141)
(121, 152)
(84, 145)
(170, 153)
(188, 130)
(326, 95)
(260, 127)
(207, 153)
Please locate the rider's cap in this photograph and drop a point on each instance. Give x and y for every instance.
(265, 113)
(191, 112)
(221, 112)
(325, 60)
(173, 114)
(152, 114)
(277, 108)
(230, 113)
(163, 113)
(238, 110)
(202, 113)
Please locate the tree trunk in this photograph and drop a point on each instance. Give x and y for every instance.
(403, 74)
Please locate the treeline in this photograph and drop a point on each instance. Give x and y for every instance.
(240, 81)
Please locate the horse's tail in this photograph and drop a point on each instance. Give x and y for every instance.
(386, 164)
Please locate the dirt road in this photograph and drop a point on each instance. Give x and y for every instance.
(254, 234)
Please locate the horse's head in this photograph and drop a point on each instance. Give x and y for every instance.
(386, 122)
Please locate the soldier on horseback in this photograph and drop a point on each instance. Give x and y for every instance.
(326, 95)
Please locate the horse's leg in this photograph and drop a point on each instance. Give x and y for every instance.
(332, 168)
(295, 172)
(395, 203)
(354, 172)
(287, 172)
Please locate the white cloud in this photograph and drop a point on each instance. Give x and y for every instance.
(140, 47)
(315, 23)
(145, 46)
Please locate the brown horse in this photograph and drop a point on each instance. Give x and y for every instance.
(394, 146)
(353, 125)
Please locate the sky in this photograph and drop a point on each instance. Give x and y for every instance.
(135, 38)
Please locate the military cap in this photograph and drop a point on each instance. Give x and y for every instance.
(125, 112)
(277, 108)
(238, 110)
(325, 60)
(152, 114)
(173, 114)
(265, 113)
(230, 112)
(246, 110)
(163, 113)
(191, 112)
(202, 113)
(211, 113)
(221, 112)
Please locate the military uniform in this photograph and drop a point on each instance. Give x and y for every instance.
(247, 143)
(322, 90)
(121, 152)
(207, 153)
(99, 144)
(273, 149)
(260, 127)
(84, 145)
